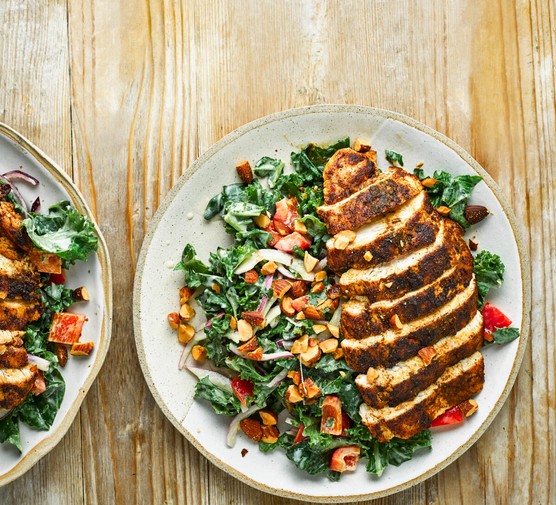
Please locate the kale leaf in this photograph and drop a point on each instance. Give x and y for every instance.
(489, 273)
(222, 402)
(393, 157)
(504, 335)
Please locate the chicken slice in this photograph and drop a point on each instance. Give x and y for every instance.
(18, 279)
(15, 385)
(17, 314)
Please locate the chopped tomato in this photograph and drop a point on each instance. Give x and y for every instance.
(299, 435)
(288, 242)
(58, 278)
(66, 328)
(346, 423)
(331, 421)
(345, 458)
(242, 388)
(286, 212)
(494, 318)
(40, 385)
(275, 235)
(451, 416)
(300, 303)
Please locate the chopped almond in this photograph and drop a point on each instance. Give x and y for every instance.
(185, 333)
(295, 376)
(429, 182)
(269, 268)
(292, 394)
(395, 322)
(443, 210)
(427, 354)
(334, 330)
(320, 276)
(329, 345)
(312, 313)
(309, 389)
(80, 294)
(233, 323)
(343, 239)
(338, 353)
(250, 345)
(185, 294)
(254, 318)
(280, 287)
(251, 276)
(245, 330)
(244, 171)
(286, 306)
(268, 417)
(299, 227)
(61, 352)
(468, 407)
(186, 312)
(82, 348)
(310, 262)
(311, 355)
(360, 146)
(270, 434)
(319, 328)
(262, 221)
(174, 320)
(318, 287)
(299, 289)
(300, 345)
(372, 375)
(328, 304)
(256, 355)
(300, 316)
(252, 428)
(199, 353)
(368, 256)
(216, 288)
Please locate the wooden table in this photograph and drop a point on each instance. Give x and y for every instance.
(125, 94)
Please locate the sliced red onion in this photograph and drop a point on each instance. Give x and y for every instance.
(4, 413)
(208, 324)
(299, 267)
(198, 337)
(234, 425)
(265, 357)
(263, 254)
(36, 206)
(15, 191)
(41, 363)
(279, 378)
(219, 380)
(262, 305)
(268, 281)
(269, 305)
(19, 175)
(321, 265)
(285, 272)
(285, 344)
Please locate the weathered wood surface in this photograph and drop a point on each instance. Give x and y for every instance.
(125, 94)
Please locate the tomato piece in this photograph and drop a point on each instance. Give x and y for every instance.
(66, 328)
(58, 278)
(286, 212)
(346, 423)
(275, 235)
(344, 459)
(451, 416)
(40, 385)
(242, 388)
(288, 242)
(494, 318)
(331, 421)
(299, 435)
(300, 303)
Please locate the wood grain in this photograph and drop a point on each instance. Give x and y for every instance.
(125, 94)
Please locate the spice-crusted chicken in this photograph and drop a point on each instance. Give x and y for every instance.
(410, 325)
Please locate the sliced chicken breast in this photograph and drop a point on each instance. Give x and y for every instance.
(17, 314)
(15, 385)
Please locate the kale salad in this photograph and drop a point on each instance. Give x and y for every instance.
(268, 355)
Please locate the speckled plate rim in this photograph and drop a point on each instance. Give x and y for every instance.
(54, 436)
(353, 109)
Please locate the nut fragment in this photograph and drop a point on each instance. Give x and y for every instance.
(185, 294)
(262, 221)
(372, 375)
(319, 328)
(295, 376)
(185, 333)
(338, 353)
(268, 417)
(292, 394)
(254, 318)
(61, 352)
(329, 345)
(468, 407)
(312, 313)
(256, 355)
(443, 210)
(395, 322)
(269, 268)
(320, 276)
(334, 330)
(250, 345)
(186, 312)
(309, 389)
(343, 239)
(216, 288)
(473, 246)
(427, 354)
(199, 352)
(311, 355)
(270, 434)
(233, 323)
(80, 294)
(368, 256)
(280, 287)
(388, 285)
(300, 345)
(360, 146)
(244, 171)
(429, 182)
(310, 262)
(174, 320)
(299, 289)
(251, 276)
(300, 316)
(286, 306)
(318, 287)
(82, 348)
(252, 428)
(475, 213)
(299, 227)
(245, 330)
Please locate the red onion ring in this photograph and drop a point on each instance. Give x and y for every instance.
(15, 192)
(19, 175)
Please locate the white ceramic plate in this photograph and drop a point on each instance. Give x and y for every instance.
(16, 152)
(179, 221)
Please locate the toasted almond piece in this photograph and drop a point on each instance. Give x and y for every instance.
(343, 239)
(368, 256)
(233, 323)
(310, 262)
(395, 322)
(328, 304)
(245, 330)
(299, 227)
(292, 394)
(262, 221)
(251, 276)
(254, 318)
(361, 146)
(300, 345)
(268, 417)
(82, 348)
(341, 243)
(334, 292)
(269, 268)
(216, 288)
(300, 316)
(329, 345)
(185, 294)
(270, 434)
(372, 375)
(252, 428)
(199, 353)
(443, 210)
(174, 320)
(427, 354)
(244, 171)
(420, 164)
(313, 341)
(318, 287)
(61, 351)
(429, 182)
(257, 354)
(280, 287)
(388, 285)
(299, 289)
(295, 376)
(334, 330)
(309, 389)
(319, 328)
(468, 407)
(338, 353)
(250, 345)
(186, 312)
(311, 355)
(312, 313)
(185, 333)
(320, 276)
(80, 294)
(286, 306)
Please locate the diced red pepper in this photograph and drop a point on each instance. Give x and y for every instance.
(275, 235)
(344, 459)
(493, 318)
(242, 388)
(286, 213)
(58, 278)
(292, 240)
(451, 416)
(299, 435)
(66, 328)
(331, 421)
